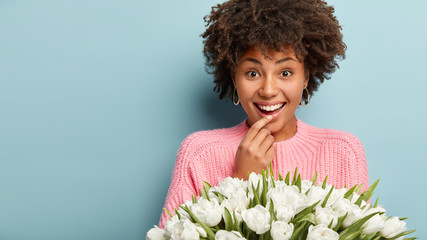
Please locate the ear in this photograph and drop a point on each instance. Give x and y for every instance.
(306, 80)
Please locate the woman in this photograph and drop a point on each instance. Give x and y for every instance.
(269, 56)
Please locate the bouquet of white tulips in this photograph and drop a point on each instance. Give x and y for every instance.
(266, 208)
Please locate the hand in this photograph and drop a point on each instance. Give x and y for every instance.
(255, 151)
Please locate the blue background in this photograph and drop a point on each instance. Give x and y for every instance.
(96, 97)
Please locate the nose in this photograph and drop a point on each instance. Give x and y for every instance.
(269, 87)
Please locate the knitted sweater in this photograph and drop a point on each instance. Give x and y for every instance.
(209, 156)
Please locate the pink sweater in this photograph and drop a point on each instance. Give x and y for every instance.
(209, 156)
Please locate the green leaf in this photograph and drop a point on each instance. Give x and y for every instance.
(331, 223)
(359, 188)
(273, 213)
(300, 232)
(356, 226)
(349, 193)
(271, 169)
(267, 236)
(236, 224)
(368, 193)
(251, 203)
(350, 236)
(295, 176)
(178, 214)
(376, 203)
(164, 209)
(324, 182)
(256, 194)
(206, 187)
(401, 234)
(220, 196)
(308, 218)
(264, 190)
(272, 181)
(365, 196)
(370, 236)
(298, 182)
(314, 178)
(194, 199)
(304, 212)
(280, 177)
(287, 181)
(228, 220)
(339, 222)
(327, 197)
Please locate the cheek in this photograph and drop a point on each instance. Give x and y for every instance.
(293, 93)
(245, 91)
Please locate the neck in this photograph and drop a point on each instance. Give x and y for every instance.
(288, 131)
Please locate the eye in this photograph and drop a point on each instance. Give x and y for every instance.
(252, 74)
(285, 73)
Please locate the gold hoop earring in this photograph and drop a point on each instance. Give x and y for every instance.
(234, 97)
(304, 103)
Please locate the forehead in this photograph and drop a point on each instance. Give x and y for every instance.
(268, 54)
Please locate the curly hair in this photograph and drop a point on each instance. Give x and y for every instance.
(308, 26)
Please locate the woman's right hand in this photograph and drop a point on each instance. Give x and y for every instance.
(255, 151)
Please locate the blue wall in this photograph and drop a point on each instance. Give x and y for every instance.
(96, 97)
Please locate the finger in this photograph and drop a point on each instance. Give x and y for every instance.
(271, 152)
(260, 137)
(266, 144)
(256, 127)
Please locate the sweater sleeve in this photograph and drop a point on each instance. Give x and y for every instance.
(359, 167)
(342, 157)
(184, 176)
(352, 163)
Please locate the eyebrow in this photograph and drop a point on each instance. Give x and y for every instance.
(277, 62)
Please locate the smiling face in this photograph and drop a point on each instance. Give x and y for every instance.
(271, 86)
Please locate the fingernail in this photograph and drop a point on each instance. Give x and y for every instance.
(269, 117)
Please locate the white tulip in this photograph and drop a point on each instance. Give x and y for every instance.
(285, 212)
(201, 231)
(335, 195)
(287, 195)
(321, 232)
(184, 229)
(226, 235)
(170, 225)
(326, 215)
(208, 212)
(392, 227)
(228, 186)
(155, 233)
(257, 219)
(343, 206)
(236, 203)
(254, 179)
(305, 185)
(375, 223)
(281, 230)
(182, 212)
(315, 194)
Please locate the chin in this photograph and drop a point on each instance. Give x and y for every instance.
(274, 127)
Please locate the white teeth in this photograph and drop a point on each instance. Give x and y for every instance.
(270, 107)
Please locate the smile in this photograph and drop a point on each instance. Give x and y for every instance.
(270, 109)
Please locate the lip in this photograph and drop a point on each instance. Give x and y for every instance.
(276, 114)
